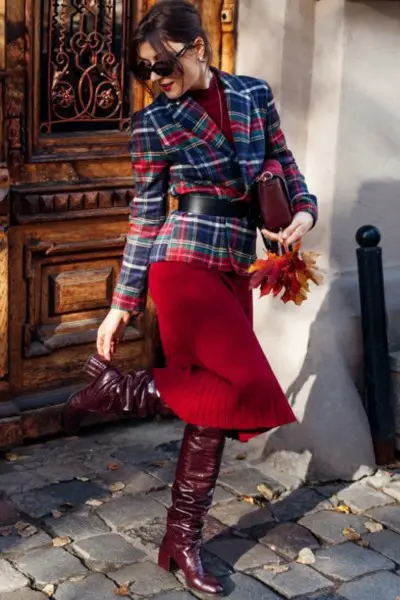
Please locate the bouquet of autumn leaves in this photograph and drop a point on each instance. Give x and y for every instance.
(289, 273)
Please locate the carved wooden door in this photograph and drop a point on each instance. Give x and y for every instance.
(68, 97)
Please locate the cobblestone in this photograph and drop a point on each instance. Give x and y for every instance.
(242, 554)
(113, 535)
(329, 525)
(384, 586)
(94, 587)
(135, 480)
(174, 596)
(57, 473)
(393, 490)
(388, 516)
(20, 482)
(145, 579)
(75, 493)
(36, 504)
(243, 587)
(105, 552)
(241, 515)
(360, 497)
(10, 578)
(298, 580)
(297, 504)
(385, 542)
(8, 514)
(50, 565)
(16, 545)
(145, 454)
(128, 512)
(245, 481)
(24, 594)
(77, 525)
(288, 539)
(348, 561)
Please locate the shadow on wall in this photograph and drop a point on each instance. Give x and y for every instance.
(333, 362)
(384, 7)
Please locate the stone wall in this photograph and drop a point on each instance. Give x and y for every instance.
(334, 68)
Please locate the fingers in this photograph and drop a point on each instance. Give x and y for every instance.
(107, 346)
(271, 235)
(296, 235)
(100, 344)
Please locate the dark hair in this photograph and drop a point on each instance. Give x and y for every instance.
(168, 20)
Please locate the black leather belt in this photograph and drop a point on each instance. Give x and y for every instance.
(202, 204)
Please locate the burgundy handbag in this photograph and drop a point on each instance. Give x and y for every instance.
(272, 197)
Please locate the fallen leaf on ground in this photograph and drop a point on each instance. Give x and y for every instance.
(113, 466)
(6, 531)
(57, 514)
(49, 589)
(158, 463)
(334, 500)
(343, 508)
(363, 543)
(117, 486)
(121, 591)
(21, 525)
(249, 499)
(28, 532)
(351, 534)
(306, 557)
(276, 568)
(373, 527)
(61, 541)
(268, 493)
(241, 456)
(11, 457)
(94, 502)
(82, 479)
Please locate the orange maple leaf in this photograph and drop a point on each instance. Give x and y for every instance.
(289, 273)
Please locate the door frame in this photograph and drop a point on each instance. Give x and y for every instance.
(33, 415)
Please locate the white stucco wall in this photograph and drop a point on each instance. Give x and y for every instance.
(334, 68)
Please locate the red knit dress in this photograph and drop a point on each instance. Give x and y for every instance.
(217, 374)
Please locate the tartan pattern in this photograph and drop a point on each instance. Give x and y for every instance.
(177, 148)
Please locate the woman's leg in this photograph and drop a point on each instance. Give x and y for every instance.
(192, 493)
(211, 381)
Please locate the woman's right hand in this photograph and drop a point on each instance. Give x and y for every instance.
(111, 331)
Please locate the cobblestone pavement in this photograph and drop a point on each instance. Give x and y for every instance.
(81, 518)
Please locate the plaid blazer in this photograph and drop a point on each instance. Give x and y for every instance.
(177, 148)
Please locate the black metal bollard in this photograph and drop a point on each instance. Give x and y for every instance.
(377, 393)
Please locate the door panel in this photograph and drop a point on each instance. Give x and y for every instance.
(68, 100)
(4, 189)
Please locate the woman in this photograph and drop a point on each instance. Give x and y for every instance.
(203, 140)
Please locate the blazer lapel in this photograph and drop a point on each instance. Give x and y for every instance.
(191, 117)
(239, 108)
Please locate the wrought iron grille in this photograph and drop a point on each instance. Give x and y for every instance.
(84, 81)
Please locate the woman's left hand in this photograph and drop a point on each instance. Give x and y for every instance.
(301, 224)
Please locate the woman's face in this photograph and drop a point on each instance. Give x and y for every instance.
(178, 83)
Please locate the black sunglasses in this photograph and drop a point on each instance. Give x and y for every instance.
(163, 68)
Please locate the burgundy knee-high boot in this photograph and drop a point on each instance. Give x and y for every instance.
(132, 395)
(192, 493)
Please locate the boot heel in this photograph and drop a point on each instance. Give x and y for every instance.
(165, 561)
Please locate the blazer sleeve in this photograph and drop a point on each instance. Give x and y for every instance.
(299, 196)
(148, 213)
